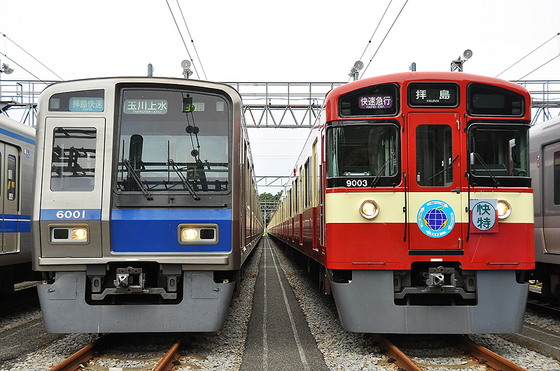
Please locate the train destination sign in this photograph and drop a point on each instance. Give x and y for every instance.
(145, 106)
(375, 101)
(433, 95)
(83, 104)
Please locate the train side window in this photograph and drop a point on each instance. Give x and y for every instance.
(73, 159)
(434, 155)
(556, 178)
(11, 179)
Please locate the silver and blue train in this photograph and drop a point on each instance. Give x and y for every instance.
(545, 174)
(145, 205)
(17, 151)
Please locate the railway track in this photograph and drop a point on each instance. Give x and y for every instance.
(92, 352)
(469, 354)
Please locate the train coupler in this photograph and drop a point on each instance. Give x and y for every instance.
(133, 280)
(425, 285)
(441, 279)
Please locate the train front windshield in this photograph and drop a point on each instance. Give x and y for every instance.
(173, 141)
(499, 154)
(366, 153)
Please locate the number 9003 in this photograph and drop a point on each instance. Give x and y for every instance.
(356, 183)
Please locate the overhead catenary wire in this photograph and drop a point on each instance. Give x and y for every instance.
(542, 65)
(537, 48)
(192, 41)
(374, 32)
(20, 66)
(385, 37)
(29, 54)
(182, 38)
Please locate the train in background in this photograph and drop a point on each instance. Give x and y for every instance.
(145, 205)
(412, 200)
(17, 151)
(545, 172)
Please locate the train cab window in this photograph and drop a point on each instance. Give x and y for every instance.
(434, 155)
(173, 141)
(363, 155)
(498, 154)
(73, 159)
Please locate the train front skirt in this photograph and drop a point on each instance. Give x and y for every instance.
(366, 305)
(203, 307)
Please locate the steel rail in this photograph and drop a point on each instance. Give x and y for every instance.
(171, 359)
(486, 356)
(397, 356)
(83, 355)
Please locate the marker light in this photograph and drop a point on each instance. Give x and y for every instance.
(369, 209)
(190, 234)
(504, 209)
(79, 234)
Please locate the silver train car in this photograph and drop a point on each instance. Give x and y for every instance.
(145, 206)
(545, 174)
(17, 151)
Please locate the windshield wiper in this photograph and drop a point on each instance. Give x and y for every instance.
(137, 179)
(496, 183)
(378, 175)
(185, 181)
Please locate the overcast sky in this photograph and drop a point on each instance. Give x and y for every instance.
(291, 40)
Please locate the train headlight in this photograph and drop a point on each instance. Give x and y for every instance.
(504, 209)
(369, 209)
(79, 234)
(190, 234)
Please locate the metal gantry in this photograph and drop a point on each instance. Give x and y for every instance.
(545, 96)
(282, 104)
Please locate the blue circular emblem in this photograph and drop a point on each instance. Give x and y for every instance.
(436, 218)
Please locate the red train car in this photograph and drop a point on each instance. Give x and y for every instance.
(413, 198)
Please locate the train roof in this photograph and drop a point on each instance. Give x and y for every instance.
(548, 131)
(94, 82)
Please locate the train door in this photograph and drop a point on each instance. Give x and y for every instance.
(9, 200)
(435, 205)
(551, 198)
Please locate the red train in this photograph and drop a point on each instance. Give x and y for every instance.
(412, 197)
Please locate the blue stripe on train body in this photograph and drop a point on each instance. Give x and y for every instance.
(156, 230)
(16, 223)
